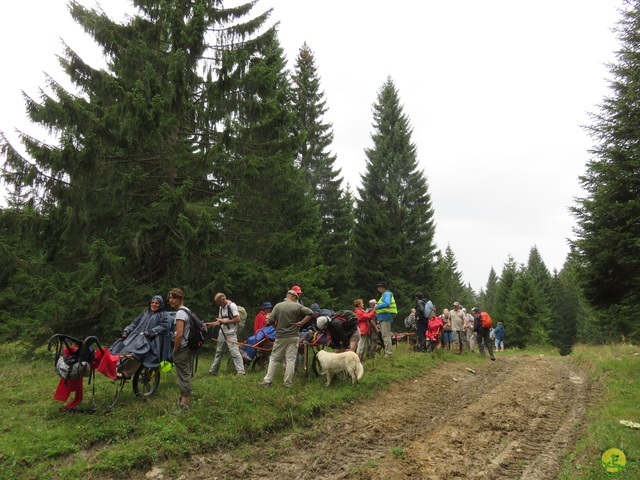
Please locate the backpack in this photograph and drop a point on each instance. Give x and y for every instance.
(348, 317)
(428, 310)
(242, 313)
(73, 358)
(197, 331)
(410, 322)
(485, 320)
(72, 366)
(243, 317)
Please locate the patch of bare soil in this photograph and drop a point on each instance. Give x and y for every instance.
(512, 419)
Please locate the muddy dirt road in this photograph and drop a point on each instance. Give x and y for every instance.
(510, 420)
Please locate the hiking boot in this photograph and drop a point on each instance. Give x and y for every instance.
(183, 409)
(493, 359)
(264, 384)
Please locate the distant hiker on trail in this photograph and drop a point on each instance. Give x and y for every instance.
(424, 310)
(434, 329)
(458, 319)
(471, 336)
(482, 326)
(447, 332)
(499, 334)
(386, 309)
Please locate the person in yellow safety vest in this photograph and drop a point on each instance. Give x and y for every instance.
(386, 309)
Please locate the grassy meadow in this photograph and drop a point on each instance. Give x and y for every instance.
(41, 442)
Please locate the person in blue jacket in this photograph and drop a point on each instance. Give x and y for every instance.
(386, 309)
(499, 334)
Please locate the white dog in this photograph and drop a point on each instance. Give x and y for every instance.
(333, 363)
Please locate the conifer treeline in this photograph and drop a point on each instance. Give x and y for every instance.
(196, 159)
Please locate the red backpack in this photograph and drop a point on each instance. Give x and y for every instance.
(485, 320)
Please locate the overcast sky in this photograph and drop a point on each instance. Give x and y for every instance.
(496, 92)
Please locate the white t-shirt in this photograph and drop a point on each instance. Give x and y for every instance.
(229, 311)
(182, 315)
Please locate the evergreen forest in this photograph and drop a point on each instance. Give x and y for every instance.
(199, 158)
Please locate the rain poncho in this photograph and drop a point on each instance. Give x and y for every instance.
(263, 338)
(150, 350)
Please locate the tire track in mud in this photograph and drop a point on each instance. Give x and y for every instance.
(511, 420)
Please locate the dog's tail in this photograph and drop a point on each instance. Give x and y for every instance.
(359, 371)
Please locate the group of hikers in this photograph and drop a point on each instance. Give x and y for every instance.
(156, 335)
(455, 327)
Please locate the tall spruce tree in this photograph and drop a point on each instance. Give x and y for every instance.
(503, 293)
(567, 309)
(539, 271)
(394, 213)
(269, 223)
(573, 319)
(315, 158)
(139, 194)
(538, 297)
(488, 296)
(452, 289)
(526, 322)
(608, 228)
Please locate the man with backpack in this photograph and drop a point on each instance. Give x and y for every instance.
(424, 310)
(482, 325)
(228, 320)
(182, 354)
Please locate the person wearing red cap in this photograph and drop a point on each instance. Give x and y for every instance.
(298, 291)
(288, 316)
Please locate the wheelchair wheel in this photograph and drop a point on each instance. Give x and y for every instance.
(259, 363)
(316, 367)
(145, 381)
(379, 350)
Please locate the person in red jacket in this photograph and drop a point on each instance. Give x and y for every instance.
(364, 324)
(261, 318)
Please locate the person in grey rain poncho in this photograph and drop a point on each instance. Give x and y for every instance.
(147, 338)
